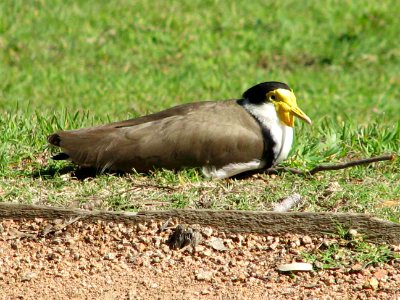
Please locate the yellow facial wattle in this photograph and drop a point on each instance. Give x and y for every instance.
(286, 106)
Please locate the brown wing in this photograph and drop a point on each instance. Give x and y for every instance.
(198, 134)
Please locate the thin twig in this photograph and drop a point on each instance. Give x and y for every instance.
(338, 166)
(165, 225)
(59, 227)
(144, 185)
(351, 163)
(20, 235)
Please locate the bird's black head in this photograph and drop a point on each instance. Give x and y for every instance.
(257, 94)
(280, 96)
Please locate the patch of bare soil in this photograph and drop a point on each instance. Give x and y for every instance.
(43, 259)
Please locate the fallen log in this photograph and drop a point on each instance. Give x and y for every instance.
(263, 222)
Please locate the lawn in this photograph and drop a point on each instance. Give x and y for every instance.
(68, 64)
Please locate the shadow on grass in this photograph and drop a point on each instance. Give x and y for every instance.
(82, 173)
(79, 173)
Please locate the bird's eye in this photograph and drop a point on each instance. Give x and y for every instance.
(272, 97)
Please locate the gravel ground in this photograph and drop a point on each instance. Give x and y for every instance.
(43, 259)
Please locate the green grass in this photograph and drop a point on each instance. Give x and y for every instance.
(345, 251)
(68, 64)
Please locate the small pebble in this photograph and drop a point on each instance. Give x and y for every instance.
(203, 275)
(295, 267)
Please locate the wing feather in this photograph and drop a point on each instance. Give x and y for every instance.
(192, 135)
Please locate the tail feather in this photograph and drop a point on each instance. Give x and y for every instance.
(60, 156)
(84, 147)
(54, 139)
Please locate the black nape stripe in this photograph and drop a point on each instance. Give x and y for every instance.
(269, 144)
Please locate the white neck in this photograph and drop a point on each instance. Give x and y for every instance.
(282, 135)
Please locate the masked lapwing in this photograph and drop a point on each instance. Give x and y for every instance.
(224, 138)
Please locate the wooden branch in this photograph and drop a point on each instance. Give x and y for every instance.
(272, 223)
(332, 167)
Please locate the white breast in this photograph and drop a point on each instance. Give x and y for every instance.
(281, 134)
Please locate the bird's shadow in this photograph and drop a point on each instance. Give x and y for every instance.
(79, 173)
(83, 173)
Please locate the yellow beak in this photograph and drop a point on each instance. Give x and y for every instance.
(300, 114)
(286, 107)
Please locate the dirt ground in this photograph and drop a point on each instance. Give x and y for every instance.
(56, 259)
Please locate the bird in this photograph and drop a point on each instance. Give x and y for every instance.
(223, 138)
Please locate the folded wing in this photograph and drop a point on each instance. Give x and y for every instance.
(192, 135)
